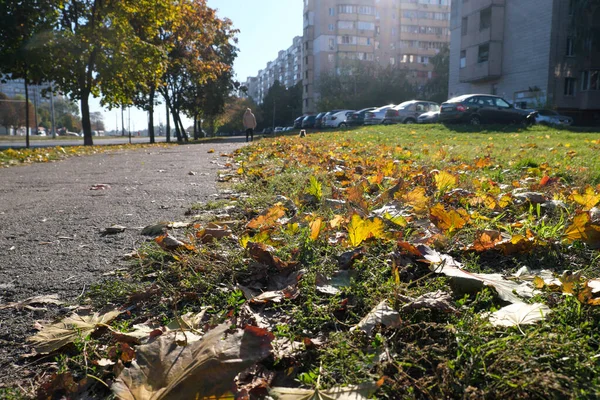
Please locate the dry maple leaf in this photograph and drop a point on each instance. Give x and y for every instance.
(382, 314)
(417, 199)
(57, 335)
(445, 181)
(361, 392)
(447, 220)
(360, 230)
(264, 254)
(583, 229)
(518, 314)
(588, 199)
(165, 370)
(268, 218)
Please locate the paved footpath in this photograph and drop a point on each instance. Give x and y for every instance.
(51, 221)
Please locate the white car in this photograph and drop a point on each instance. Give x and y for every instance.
(278, 129)
(377, 116)
(337, 120)
(549, 117)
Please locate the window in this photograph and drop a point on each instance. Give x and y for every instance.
(346, 9)
(392, 61)
(331, 12)
(331, 27)
(502, 104)
(331, 43)
(570, 86)
(595, 80)
(485, 21)
(570, 48)
(464, 27)
(331, 57)
(585, 80)
(484, 53)
(463, 58)
(366, 26)
(345, 24)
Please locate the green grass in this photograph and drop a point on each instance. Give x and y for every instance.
(430, 354)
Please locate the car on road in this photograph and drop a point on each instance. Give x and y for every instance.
(337, 119)
(358, 118)
(408, 112)
(431, 117)
(298, 122)
(477, 109)
(309, 122)
(376, 116)
(278, 129)
(552, 118)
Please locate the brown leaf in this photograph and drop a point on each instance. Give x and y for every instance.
(584, 230)
(164, 370)
(27, 303)
(171, 243)
(361, 392)
(382, 314)
(264, 254)
(446, 220)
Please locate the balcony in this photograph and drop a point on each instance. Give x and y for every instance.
(472, 6)
(477, 70)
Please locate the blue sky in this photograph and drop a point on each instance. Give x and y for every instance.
(266, 26)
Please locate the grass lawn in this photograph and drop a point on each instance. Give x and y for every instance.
(412, 261)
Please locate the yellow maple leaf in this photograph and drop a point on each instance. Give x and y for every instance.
(336, 221)
(445, 181)
(267, 218)
(587, 199)
(446, 220)
(417, 199)
(360, 230)
(583, 229)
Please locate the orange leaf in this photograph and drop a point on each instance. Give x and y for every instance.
(417, 199)
(336, 221)
(588, 199)
(582, 229)
(446, 220)
(268, 218)
(486, 240)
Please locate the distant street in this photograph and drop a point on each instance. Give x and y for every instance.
(98, 141)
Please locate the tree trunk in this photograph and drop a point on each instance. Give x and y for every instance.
(183, 132)
(177, 130)
(168, 132)
(151, 117)
(85, 120)
(26, 111)
(196, 136)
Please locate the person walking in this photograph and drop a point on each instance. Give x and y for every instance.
(249, 124)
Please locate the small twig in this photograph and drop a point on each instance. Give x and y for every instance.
(82, 292)
(98, 379)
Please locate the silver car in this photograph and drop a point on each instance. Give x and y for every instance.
(550, 117)
(376, 116)
(409, 112)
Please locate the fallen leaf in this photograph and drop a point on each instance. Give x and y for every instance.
(382, 314)
(268, 218)
(583, 229)
(165, 370)
(588, 199)
(437, 300)
(171, 243)
(100, 186)
(518, 314)
(57, 335)
(315, 228)
(44, 299)
(445, 181)
(112, 230)
(361, 392)
(418, 200)
(446, 220)
(155, 230)
(264, 254)
(360, 230)
(508, 290)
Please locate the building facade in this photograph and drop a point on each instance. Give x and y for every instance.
(286, 68)
(522, 51)
(400, 33)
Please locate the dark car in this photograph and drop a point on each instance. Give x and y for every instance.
(477, 109)
(298, 122)
(358, 118)
(319, 120)
(309, 122)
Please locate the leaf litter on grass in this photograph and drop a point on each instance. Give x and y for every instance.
(385, 254)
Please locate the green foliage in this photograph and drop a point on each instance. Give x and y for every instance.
(284, 104)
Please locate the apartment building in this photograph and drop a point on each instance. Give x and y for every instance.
(286, 68)
(522, 50)
(401, 33)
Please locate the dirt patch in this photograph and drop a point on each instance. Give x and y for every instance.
(52, 217)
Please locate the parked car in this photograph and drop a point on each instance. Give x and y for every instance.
(326, 116)
(550, 117)
(408, 112)
(288, 128)
(309, 122)
(267, 131)
(376, 116)
(358, 118)
(298, 122)
(431, 117)
(278, 129)
(477, 109)
(319, 120)
(337, 120)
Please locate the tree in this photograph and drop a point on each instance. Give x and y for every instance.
(231, 120)
(98, 50)
(9, 112)
(24, 27)
(585, 23)
(66, 114)
(360, 85)
(282, 105)
(199, 46)
(437, 88)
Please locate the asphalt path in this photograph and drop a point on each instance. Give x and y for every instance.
(52, 216)
(98, 141)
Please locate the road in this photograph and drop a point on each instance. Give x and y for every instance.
(49, 142)
(52, 219)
